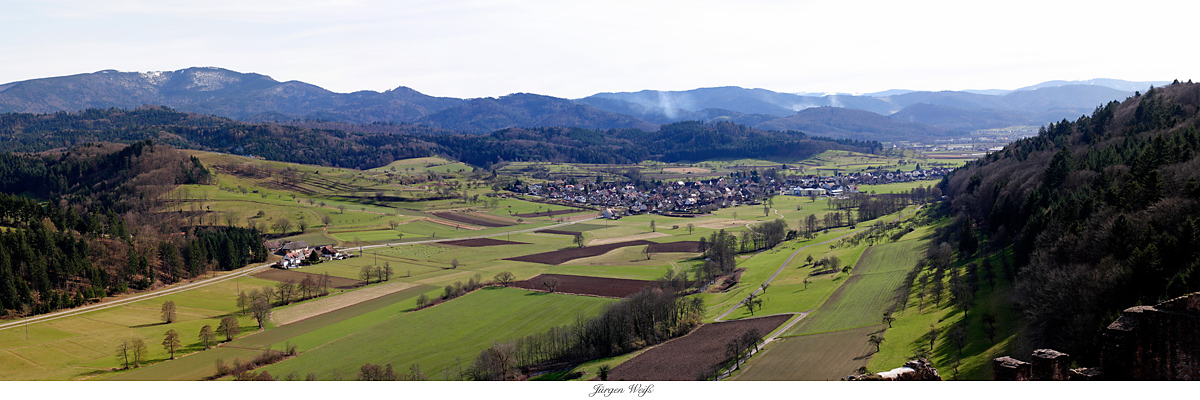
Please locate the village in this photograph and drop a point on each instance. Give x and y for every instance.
(690, 198)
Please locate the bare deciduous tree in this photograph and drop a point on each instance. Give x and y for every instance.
(171, 342)
(207, 337)
(875, 340)
(261, 308)
(123, 353)
(138, 351)
(286, 290)
(229, 327)
(504, 278)
(168, 311)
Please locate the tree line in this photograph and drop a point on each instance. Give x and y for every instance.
(343, 146)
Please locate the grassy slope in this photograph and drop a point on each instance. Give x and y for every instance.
(910, 332)
(868, 293)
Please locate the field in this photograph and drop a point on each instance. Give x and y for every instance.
(481, 242)
(831, 342)
(820, 357)
(692, 356)
(307, 334)
(471, 219)
(399, 203)
(868, 293)
(675, 247)
(562, 256)
(280, 275)
(440, 337)
(585, 285)
(315, 307)
(81, 346)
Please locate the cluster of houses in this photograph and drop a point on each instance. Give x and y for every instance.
(846, 184)
(296, 254)
(683, 198)
(673, 197)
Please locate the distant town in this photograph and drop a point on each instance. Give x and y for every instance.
(688, 198)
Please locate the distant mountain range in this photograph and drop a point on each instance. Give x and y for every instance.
(884, 116)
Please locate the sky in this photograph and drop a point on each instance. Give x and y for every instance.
(573, 49)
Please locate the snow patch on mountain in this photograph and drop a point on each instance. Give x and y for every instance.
(207, 81)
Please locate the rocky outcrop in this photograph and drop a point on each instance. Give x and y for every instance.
(1160, 342)
(915, 370)
(1010, 369)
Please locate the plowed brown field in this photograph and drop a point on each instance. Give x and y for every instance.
(588, 285)
(561, 256)
(692, 356)
(280, 275)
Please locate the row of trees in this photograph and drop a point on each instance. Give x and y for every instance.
(368, 148)
(132, 352)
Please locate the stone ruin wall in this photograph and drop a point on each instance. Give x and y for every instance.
(1160, 342)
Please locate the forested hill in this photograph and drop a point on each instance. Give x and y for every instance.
(97, 228)
(1103, 213)
(368, 148)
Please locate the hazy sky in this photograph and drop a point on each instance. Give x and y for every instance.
(569, 48)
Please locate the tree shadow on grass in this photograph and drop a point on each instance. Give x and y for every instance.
(149, 325)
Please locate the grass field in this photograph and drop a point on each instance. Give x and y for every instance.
(820, 357)
(439, 337)
(868, 293)
(896, 187)
(306, 334)
(83, 346)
